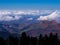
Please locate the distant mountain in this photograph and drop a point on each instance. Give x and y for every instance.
(44, 27)
(32, 28)
(33, 25)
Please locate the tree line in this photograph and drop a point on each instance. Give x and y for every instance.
(52, 39)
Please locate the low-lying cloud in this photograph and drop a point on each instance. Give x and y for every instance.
(30, 19)
(9, 18)
(53, 16)
(8, 15)
(29, 12)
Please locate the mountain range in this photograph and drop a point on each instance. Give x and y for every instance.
(33, 25)
(32, 28)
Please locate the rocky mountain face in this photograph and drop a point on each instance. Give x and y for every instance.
(31, 28)
(30, 22)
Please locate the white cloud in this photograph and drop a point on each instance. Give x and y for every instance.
(30, 19)
(53, 16)
(42, 18)
(6, 18)
(9, 18)
(17, 17)
(7, 15)
(4, 12)
(19, 12)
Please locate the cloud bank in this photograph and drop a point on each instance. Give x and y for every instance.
(30, 19)
(20, 12)
(9, 18)
(8, 15)
(53, 16)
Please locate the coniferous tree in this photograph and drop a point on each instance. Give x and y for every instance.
(16, 41)
(23, 39)
(45, 40)
(2, 41)
(41, 39)
(10, 40)
(52, 39)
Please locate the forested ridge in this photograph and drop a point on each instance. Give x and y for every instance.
(52, 39)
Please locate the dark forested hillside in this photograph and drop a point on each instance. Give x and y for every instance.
(52, 39)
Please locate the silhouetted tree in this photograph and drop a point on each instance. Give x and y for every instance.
(33, 41)
(16, 41)
(52, 39)
(41, 39)
(45, 40)
(23, 39)
(2, 41)
(55, 39)
(10, 40)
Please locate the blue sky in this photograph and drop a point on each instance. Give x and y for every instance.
(29, 4)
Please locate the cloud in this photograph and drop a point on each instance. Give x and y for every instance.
(19, 12)
(4, 12)
(5, 18)
(8, 15)
(29, 12)
(30, 19)
(42, 18)
(17, 17)
(9, 18)
(53, 16)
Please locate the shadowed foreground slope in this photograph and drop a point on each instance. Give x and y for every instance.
(52, 39)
